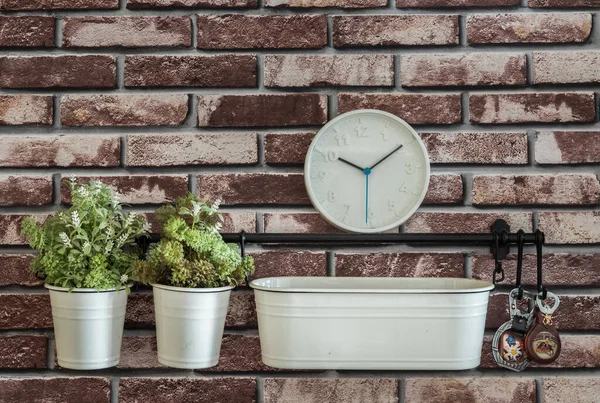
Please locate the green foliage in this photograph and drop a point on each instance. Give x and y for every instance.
(90, 244)
(191, 252)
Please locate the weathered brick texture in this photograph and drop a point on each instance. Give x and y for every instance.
(14, 5)
(25, 190)
(477, 390)
(262, 110)
(463, 69)
(63, 71)
(179, 390)
(394, 30)
(566, 67)
(25, 110)
(541, 107)
(15, 270)
(326, 3)
(236, 31)
(190, 71)
(191, 149)
(281, 390)
(454, 3)
(57, 389)
(26, 31)
(400, 265)
(567, 147)
(124, 110)
(330, 70)
(417, 109)
(192, 3)
(529, 28)
(22, 352)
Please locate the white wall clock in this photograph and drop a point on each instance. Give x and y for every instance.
(366, 171)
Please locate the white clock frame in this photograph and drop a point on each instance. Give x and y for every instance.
(336, 222)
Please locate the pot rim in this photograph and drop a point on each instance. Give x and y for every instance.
(192, 290)
(83, 290)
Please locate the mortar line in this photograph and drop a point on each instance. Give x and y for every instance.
(58, 31)
(331, 262)
(114, 389)
(538, 390)
(402, 390)
(260, 389)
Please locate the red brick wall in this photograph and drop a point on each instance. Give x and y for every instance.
(222, 97)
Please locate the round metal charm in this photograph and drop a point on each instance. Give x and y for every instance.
(508, 348)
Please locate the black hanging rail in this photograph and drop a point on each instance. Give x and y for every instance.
(499, 240)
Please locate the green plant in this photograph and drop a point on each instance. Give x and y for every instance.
(191, 253)
(89, 245)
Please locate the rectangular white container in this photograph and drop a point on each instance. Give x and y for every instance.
(371, 323)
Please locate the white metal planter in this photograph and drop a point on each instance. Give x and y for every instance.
(189, 325)
(88, 326)
(371, 323)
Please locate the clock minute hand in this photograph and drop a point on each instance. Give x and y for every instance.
(351, 164)
(386, 157)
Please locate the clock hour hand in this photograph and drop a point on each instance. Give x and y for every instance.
(351, 164)
(386, 157)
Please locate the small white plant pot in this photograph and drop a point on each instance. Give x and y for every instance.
(189, 325)
(88, 326)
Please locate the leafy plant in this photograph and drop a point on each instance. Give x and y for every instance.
(88, 245)
(191, 253)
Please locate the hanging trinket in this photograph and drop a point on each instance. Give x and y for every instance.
(542, 341)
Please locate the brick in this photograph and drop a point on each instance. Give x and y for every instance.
(278, 263)
(567, 147)
(541, 107)
(297, 223)
(576, 312)
(190, 71)
(237, 31)
(138, 352)
(265, 110)
(434, 222)
(192, 3)
(26, 110)
(529, 28)
(180, 390)
(570, 227)
(124, 110)
(400, 264)
(15, 270)
(242, 310)
(570, 189)
(175, 149)
(394, 30)
(13, 5)
(417, 109)
(454, 3)
(580, 390)
(475, 390)
(560, 269)
(30, 31)
(476, 147)
(137, 189)
(463, 69)
(287, 148)
(60, 151)
(329, 70)
(22, 352)
(54, 389)
(444, 189)
(319, 390)
(254, 188)
(140, 311)
(326, 3)
(61, 71)
(25, 311)
(240, 353)
(10, 227)
(563, 3)
(25, 190)
(566, 67)
(576, 352)
(95, 32)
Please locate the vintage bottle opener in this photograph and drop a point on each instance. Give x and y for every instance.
(508, 345)
(542, 341)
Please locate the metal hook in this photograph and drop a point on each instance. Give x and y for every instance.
(520, 244)
(539, 241)
(498, 264)
(243, 249)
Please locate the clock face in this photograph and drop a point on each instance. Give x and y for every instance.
(366, 171)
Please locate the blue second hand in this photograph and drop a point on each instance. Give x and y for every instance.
(367, 171)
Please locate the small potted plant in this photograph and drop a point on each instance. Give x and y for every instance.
(192, 272)
(85, 260)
